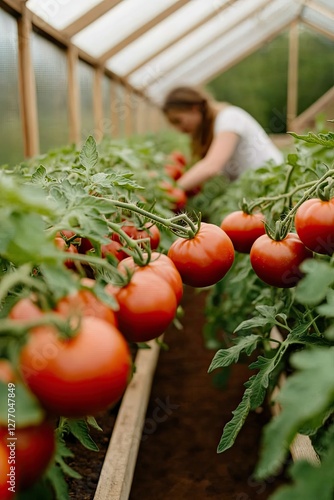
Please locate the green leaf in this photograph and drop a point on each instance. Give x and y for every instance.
(80, 430)
(27, 409)
(254, 393)
(225, 357)
(56, 477)
(301, 402)
(313, 288)
(92, 423)
(39, 175)
(326, 140)
(88, 154)
(328, 308)
(254, 323)
(310, 482)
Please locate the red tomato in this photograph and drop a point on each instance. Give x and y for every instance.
(113, 248)
(179, 158)
(243, 229)
(85, 303)
(174, 171)
(176, 194)
(162, 266)
(204, 259)
(25, 310)
(152, 232)
(277, 262)
(62, 245)
(33, 448)
(6, 371)
(85, 245)
(314, 222)
(8, 472)
(147, 305)
(78, 376)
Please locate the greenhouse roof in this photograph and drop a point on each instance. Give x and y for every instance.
(155, 45)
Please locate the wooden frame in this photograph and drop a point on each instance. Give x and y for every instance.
(292, 91)
(120, 461)
(89, 17)
(141, 30)
(183, 35)
(263, 5)
(27, 87)
(73, 95)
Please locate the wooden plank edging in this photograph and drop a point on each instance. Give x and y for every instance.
(120, 460)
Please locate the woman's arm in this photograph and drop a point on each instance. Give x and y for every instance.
(220, 151)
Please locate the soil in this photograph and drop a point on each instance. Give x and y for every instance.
(185, 417)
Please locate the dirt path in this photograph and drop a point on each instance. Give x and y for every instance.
(177, 458)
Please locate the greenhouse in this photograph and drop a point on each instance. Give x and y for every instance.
(166, 249)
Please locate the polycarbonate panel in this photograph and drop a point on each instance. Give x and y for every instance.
(117, 24)
(195, 42)
(161, 35)
(329, 4)
(61, 13)
(106, 103)
(11, 141)
(86, 82)
(318, 19)
(50, 68)
(211, 60)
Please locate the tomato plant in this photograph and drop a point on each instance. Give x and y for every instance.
(204, 259)
(243, 229)
(77, 376)
(62, 245)
(277, 263)
(314, 222)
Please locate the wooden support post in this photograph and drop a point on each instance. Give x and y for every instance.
(27, 86)
(73, 94)
(128, 111)
(292, 99)
(98, 104)
(114, 111)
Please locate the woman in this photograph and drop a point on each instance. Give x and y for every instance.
(224, 138)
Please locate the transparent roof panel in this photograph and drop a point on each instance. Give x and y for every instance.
(61, 13)
(117, 24)
(220, 54)
(329, 4)
(318, 19)
(161, 35)
(194, 42)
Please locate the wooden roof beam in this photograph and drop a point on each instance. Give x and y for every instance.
(141, 30)
(187, 32)
(89, 17)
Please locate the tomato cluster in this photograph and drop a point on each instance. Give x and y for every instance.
(277, 261)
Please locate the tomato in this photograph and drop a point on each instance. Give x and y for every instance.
(6, 371)
(147, 305)
(85, 245)
(85, 303)
(174, 171)
(152, 232)
(176, 194)
(179, 158)
(8, 472)
(277, 262)
(78, 376)
(25, 310)
(162, 266)
(243, 229)
(204, 259)
(314, 222)
(62, 245)
(34, 449)
(113, 248)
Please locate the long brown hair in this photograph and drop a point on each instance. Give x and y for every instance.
(184, 98)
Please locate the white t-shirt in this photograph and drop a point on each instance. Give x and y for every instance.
(254, 148)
